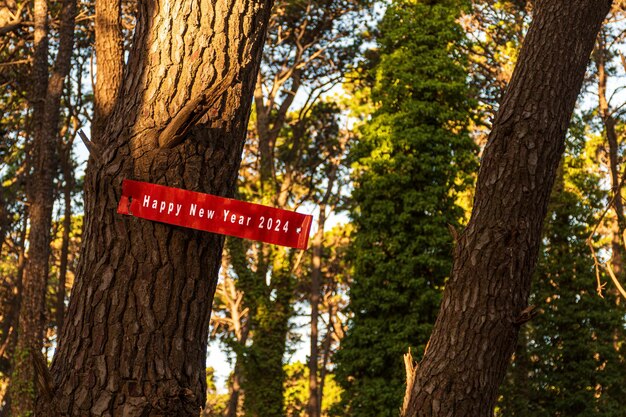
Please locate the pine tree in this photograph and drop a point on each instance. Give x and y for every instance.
(486, 298)
(410, 165)
(143, 334)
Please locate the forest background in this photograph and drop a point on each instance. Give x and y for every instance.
(371, 116)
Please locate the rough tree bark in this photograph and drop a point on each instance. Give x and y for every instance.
(110, 62)
(46, 101)
(135, 338)
(482, 309)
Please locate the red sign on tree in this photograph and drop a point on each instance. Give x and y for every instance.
(215, 214)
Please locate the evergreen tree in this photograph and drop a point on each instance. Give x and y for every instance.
(412, 161)
(568, 362)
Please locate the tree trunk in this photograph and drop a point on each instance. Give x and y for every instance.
(326, 352)
(263, 373)
(12, 306)
(12, 321)
(233, 400)
(68, 176)
(314, 298)
(110, 62)
(241, 335)
(609, 124)
(46, 103)
(138, 318)
(476, 331)
(30, 322)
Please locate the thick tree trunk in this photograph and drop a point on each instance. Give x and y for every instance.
(46, 103)
(476, 331)
(136, 329)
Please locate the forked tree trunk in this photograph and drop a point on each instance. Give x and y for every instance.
(135, 335)
(481, 311)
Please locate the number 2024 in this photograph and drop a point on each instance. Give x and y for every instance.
(270, 222)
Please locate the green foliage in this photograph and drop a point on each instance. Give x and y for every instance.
(304, 154)
(496, 29)
(414, 158)
(270, 309)
(297, 390)
(215, 403)
(568, 361)
(290, 159)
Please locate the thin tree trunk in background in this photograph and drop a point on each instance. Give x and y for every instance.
(46, 105)
(314, 299)
(10, 323)
(240, 329)
(39, 193)
(266, 141)
(263, 373)
(609, 123)
(325, 358)
(476, 331)
(314, 406)
(138, 318)
(235, 394)
(68, 176)
(4, 220)
(13, 320)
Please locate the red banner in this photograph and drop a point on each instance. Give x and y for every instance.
(215, 214)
